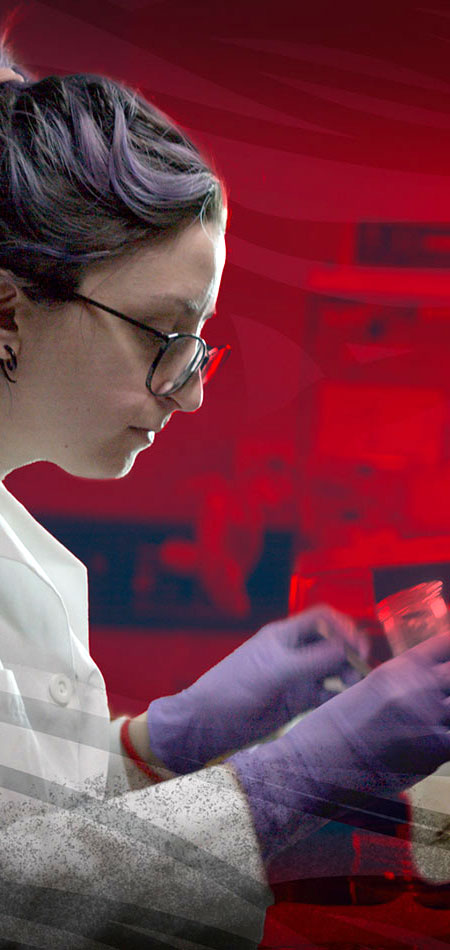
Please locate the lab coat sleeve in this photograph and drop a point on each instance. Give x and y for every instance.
(177, 863)
(429, 803)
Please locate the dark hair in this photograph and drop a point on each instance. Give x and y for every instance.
(90, 170)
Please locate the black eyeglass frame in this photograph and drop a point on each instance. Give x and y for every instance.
(166, 339)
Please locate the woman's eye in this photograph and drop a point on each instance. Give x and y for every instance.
(149, 342)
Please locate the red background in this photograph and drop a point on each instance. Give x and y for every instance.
(320, 116)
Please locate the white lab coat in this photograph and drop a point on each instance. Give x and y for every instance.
(430, 827)
(84, 861)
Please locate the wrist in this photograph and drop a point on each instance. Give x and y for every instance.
(138, 733)
(136, 741)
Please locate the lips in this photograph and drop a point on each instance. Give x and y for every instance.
(154, 429)
(147, 434)
(163, 423)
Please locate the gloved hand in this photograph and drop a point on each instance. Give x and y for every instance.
(377, 738)
(271, 678)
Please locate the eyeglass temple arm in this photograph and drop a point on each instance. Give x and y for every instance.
(122, 316)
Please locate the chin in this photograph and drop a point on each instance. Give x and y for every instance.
(101, 468)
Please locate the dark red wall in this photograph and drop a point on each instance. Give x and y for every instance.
(323, 118)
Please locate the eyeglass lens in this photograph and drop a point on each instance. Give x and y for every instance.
(181, 359)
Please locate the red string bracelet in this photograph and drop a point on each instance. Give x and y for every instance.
(132, 754)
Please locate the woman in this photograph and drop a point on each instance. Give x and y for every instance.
(111, 254)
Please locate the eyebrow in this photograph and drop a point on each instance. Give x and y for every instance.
(169, 302)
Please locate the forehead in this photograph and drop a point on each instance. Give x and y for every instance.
(187, 267)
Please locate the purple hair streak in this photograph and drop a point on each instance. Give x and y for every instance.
(88, 171)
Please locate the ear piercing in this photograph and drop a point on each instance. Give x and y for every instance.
(10, 364)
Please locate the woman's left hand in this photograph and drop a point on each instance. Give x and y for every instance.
(273, 677)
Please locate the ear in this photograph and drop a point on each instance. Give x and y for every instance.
(10, 299)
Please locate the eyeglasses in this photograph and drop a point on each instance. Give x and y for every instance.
(180, 355)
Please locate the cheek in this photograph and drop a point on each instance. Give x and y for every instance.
(115, 401)
(96, 381)
(121, 370)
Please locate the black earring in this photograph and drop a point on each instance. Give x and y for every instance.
(11, 363)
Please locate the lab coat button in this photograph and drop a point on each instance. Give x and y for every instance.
(60, 689)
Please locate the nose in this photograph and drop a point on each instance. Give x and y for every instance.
(190, 397)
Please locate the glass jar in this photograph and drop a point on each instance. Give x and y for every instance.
(413, 615)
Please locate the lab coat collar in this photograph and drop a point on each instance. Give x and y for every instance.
(24, 540)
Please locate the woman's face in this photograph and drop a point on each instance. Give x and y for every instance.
(80, 400)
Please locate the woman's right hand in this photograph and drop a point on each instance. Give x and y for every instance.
(377, 738)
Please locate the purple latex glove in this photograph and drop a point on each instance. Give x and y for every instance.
(271, 678)
(344, 760)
